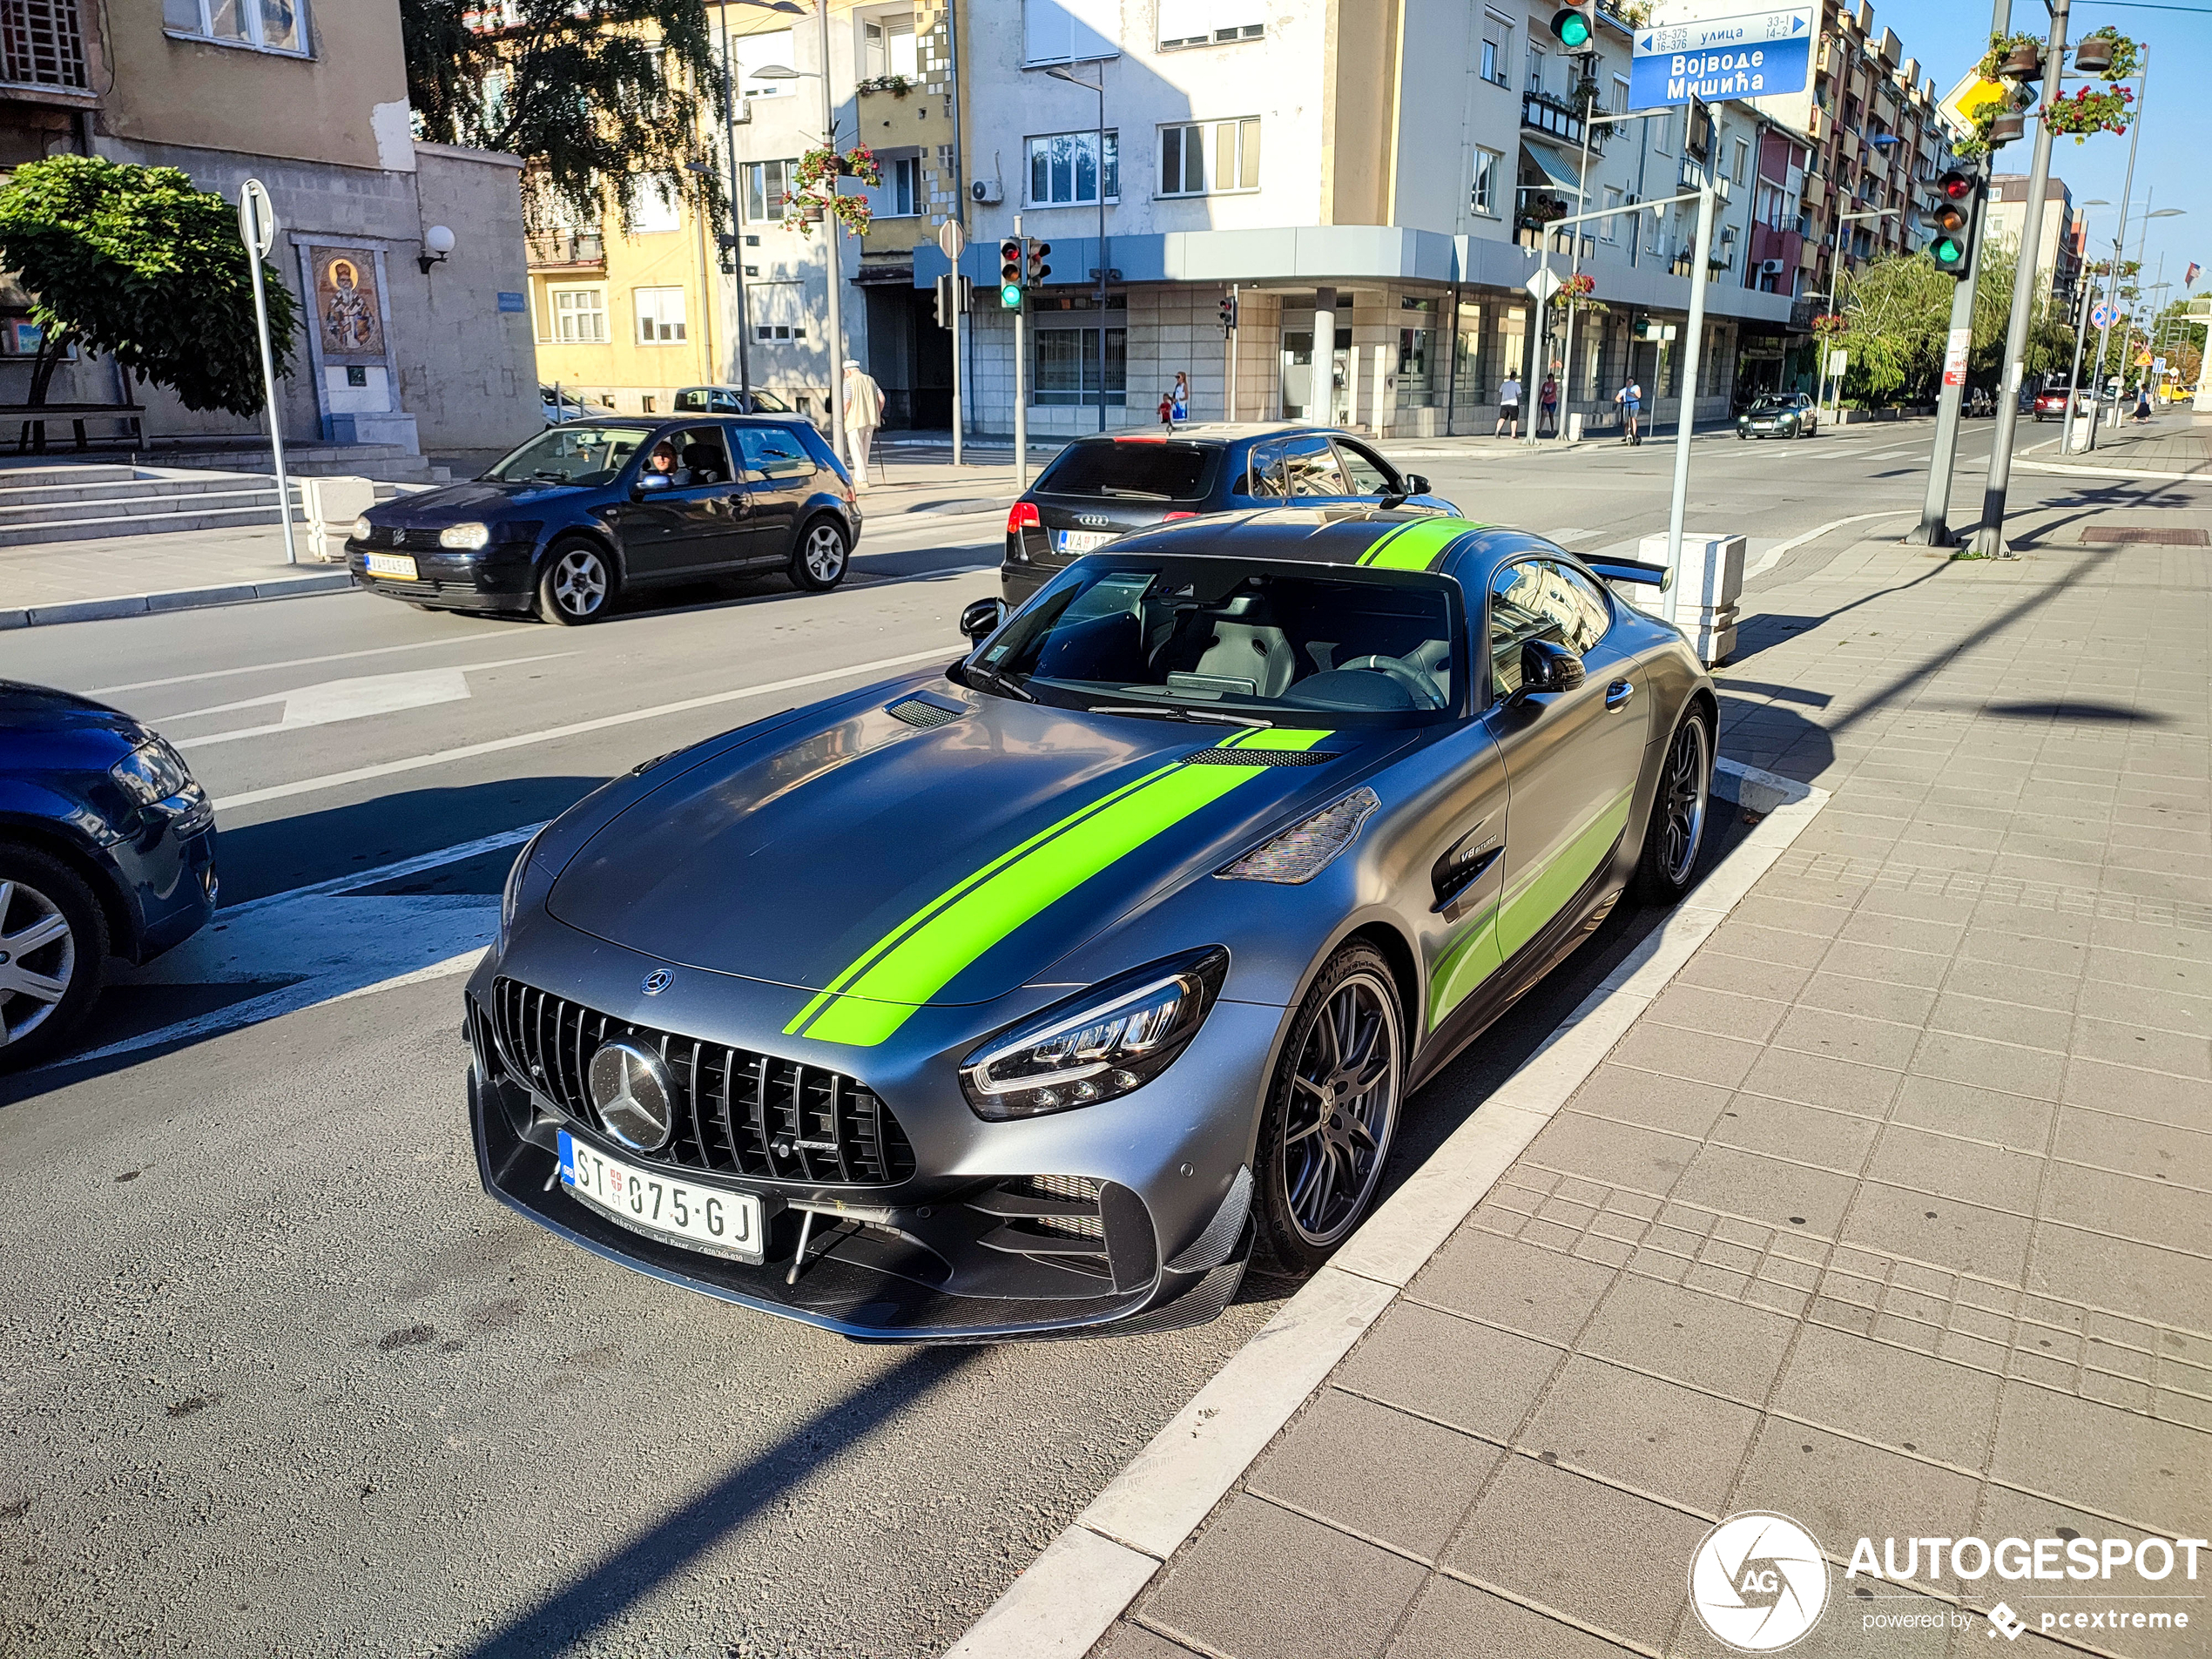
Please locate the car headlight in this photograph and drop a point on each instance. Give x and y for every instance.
(362, 528)
(152, 772)
(1112, 1039)
(1303, 851)
(467, 538)
(510, 896)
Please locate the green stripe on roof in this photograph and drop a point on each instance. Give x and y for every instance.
(1417, 544)
(871, 1000)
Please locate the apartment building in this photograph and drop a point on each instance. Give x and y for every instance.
(311, 100)
(2064, 232)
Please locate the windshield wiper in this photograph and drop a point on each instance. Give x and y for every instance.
(991, 676)
(1171, 712)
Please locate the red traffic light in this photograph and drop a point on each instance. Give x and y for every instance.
(1955, 186)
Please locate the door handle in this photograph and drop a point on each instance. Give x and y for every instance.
(1617, 694)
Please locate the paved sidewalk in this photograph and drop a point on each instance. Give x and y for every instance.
(2171, 444)
(1891, 1213)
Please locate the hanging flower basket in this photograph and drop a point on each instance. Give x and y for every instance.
(814, 191)
(2090, 109)
(2108, 53)
(2012, 57)
(1574, 295)
(1828, 323)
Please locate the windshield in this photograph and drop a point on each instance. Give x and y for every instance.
(1221, 637)
(1771, 405)
(575, 454)
(1131, 469)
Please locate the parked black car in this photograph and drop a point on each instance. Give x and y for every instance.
(1097, 488)
(107, 849)
(583, 510)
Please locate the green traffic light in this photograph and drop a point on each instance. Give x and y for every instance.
(1947, 251)
(1573, 30)
(1010, 296)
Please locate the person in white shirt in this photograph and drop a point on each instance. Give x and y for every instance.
(863, 414)
(1509, 408)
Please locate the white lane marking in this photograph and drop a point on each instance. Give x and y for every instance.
(1569, 535)
(358, 879)
(605, 722)
(1773, 555)
(291, 662)
(330, 701)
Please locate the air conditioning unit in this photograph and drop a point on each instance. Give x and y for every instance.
(989, 192)
(1770, 267)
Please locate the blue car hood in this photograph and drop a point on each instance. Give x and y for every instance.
(855, 852)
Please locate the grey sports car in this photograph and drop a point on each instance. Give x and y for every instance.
(1037, 994)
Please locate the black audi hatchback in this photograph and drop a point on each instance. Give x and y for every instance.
(1097, 488)
(586, 510)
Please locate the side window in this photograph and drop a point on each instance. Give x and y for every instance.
(1310, 465)
(1517, 615)
(701, 457)
(770, 453)
(1263, 479)
(1364, 474)
(1594, 616)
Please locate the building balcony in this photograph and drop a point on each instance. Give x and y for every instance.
(566, 250)
(1557, 118)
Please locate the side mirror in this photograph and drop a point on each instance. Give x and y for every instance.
(1414, 484)
(1547, 665)
(984, 618)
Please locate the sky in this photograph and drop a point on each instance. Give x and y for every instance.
(1949, 36)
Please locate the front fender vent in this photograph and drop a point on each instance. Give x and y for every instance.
(920, 710)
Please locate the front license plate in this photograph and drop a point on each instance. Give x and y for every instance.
(1074, 541)
(399, 565)
(729, 1221)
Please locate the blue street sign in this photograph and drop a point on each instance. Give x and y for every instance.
(512, 301)
(1753, 54)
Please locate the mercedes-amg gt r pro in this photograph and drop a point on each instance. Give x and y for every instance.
(1037, 994)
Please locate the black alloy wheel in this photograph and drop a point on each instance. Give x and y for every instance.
(1333, 1110)
(1677, 831)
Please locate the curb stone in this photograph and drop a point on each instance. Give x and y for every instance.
(141, 605)
(1088, 1577)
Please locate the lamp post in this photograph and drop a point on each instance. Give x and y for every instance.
(2080, 335)
(1060, 73)
(832, 230)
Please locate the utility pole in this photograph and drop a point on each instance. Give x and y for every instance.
(1574, 265)
(257, 228)
(737, 221)
(1989, 539)
(1934, 530)
(1021, 365)
(2073, 377)
(834, 245)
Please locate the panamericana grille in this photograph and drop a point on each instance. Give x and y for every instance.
(1259, 756)
(736, 1112)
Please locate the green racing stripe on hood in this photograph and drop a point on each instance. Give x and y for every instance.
(1418, 545)
(874, 997)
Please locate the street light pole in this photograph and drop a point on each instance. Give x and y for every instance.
(736, 220)
(2118, 246)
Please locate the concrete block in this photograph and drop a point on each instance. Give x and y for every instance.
(336, 501)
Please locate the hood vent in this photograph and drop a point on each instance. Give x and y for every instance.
(924, 711)
(1260, 757)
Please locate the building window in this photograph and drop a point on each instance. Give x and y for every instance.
(899, 195)
(1610, 228)
(1063, 169)
(1617, 102)
(750, 54)
(766, 183)
(1210, 158)
(1068, 367)
(580, 315)
(778, 331)
(1209, 23)
(656, 208)
(42, 44)
(1051, 33)
(1663, 130)
(1497, 47)
(265, 26)
(889, 47)
(1743, 160)
(1483, 198)
(1536, 69)
(660, 316)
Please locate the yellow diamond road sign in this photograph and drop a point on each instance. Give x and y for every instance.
(1966, 99)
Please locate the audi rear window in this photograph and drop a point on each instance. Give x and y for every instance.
(1133, 470)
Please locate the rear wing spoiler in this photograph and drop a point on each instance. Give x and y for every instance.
(1649, 575)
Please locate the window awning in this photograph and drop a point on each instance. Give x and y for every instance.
(1554, 166)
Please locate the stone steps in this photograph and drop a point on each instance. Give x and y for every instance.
(94, 501)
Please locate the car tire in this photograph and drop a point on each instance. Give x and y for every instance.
(36, 892)
(1324, 1139)
(822, 557)
(576, 585)
(1680, 807)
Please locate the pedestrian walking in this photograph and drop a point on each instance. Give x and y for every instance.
(2143, 400)
(1630, 398)
(1179, 399)
(1167, 410)
(863, 414)
(1508, 407)
(1548, 407)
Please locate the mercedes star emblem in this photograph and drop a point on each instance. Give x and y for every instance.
(656, 981)
(636, 1101)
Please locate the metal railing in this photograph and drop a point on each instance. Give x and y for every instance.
(563, 247)
(1557, 118)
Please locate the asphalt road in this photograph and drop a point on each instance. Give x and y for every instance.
(276, 1377)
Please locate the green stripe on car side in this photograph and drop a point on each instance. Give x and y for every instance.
(1551, 885)
(1467, 961)
(872, 998)
(1417, 544)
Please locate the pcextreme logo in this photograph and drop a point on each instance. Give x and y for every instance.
(1758, 1581)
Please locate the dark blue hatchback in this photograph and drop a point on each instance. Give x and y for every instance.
(107, 849)
(583, 510)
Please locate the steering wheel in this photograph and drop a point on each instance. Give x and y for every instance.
(1423, 689)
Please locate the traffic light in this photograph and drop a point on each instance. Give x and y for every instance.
(1010, 263)
(1034, 269)
(1950, 222)
(1575, 26)
(1228, 314)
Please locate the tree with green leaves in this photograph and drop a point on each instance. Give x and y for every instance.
(598, 96)
(1896, 317)
(139, 265)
